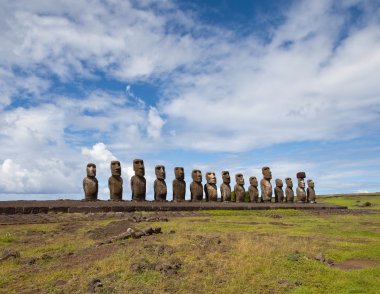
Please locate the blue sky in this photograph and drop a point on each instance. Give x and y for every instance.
(214, 85)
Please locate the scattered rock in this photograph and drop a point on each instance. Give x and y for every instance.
(365, 204)
(162, 249)
(94, 285)
(130, 233)
(170, 267)
(9, 253)
(31, 260)
(320, 257)
(171, 232)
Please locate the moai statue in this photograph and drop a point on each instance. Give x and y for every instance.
(115, 182)
(179, 184)
(300, 191)
(265, 185)
(310, 191)
(138, 182)
(196, 189)
(278, 192)
(90, 183)
(225, 188)
(252, 190)
(239, 188)
(289, 193)
(211, 191)
(160, 189)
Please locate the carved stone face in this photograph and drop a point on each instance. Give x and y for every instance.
(196, 174)
(138, 167)
(91, 170)
(210, 178)
(301, 183)
(310, 183)
(239, 179)
(279, 183)
(289, 182)
(179, 173)
(160, 172)
(253, 181)
(226, 177)
(115, 168)
(267, 173)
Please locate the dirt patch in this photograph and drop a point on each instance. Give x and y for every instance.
(112, 229)
(70, 227)
(281, 224)
(242, 223)
(353, 264)
(170, 267)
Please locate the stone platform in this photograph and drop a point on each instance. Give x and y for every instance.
(71, 206)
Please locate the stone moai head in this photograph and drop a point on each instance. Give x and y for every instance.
(179, 173)
(196, 174)
(253, 181)
(160, 172)
(267, 174)
(226, 177)
(239, 179)
(289, 182)
(138, 167)
(210, 178)
(301, 182)
(91, 170)
(279, 183)
(310, 183)
(115, 168)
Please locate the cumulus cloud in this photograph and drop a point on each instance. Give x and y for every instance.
(155, 123)
(99, 152)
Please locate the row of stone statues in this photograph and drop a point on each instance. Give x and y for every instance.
(197, 191)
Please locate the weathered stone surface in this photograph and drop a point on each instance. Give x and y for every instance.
(179, 184)
(196, 188)
(301, 175)
(115, 182)
(252, 190)
(211, 191)
(160, 190)
(278, 192)
(225, 188)
(265, 185)
(90, 183)
(300, 191)
(138, 181)
(289, 193)
(239, 188)
(310, 192)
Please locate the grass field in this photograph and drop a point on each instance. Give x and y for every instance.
(210, 252)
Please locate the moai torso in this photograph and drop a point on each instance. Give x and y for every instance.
(265, 185)
(179, 185)
(160, 190)
(239, 188)
(310, 192)
(300, 191)
(211, 191)
(115, 182)
(225, 188)
(289, 193)
(138, 187)
(159, 187)
(278, 192)
(252, 190)
(90, 183)
(138, 181)
(196, 189)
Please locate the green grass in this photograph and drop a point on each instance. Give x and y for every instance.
(352, 201)
(220, 251)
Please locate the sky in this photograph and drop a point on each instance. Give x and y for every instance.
(212, 85)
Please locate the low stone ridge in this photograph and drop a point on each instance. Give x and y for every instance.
(75, 206)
